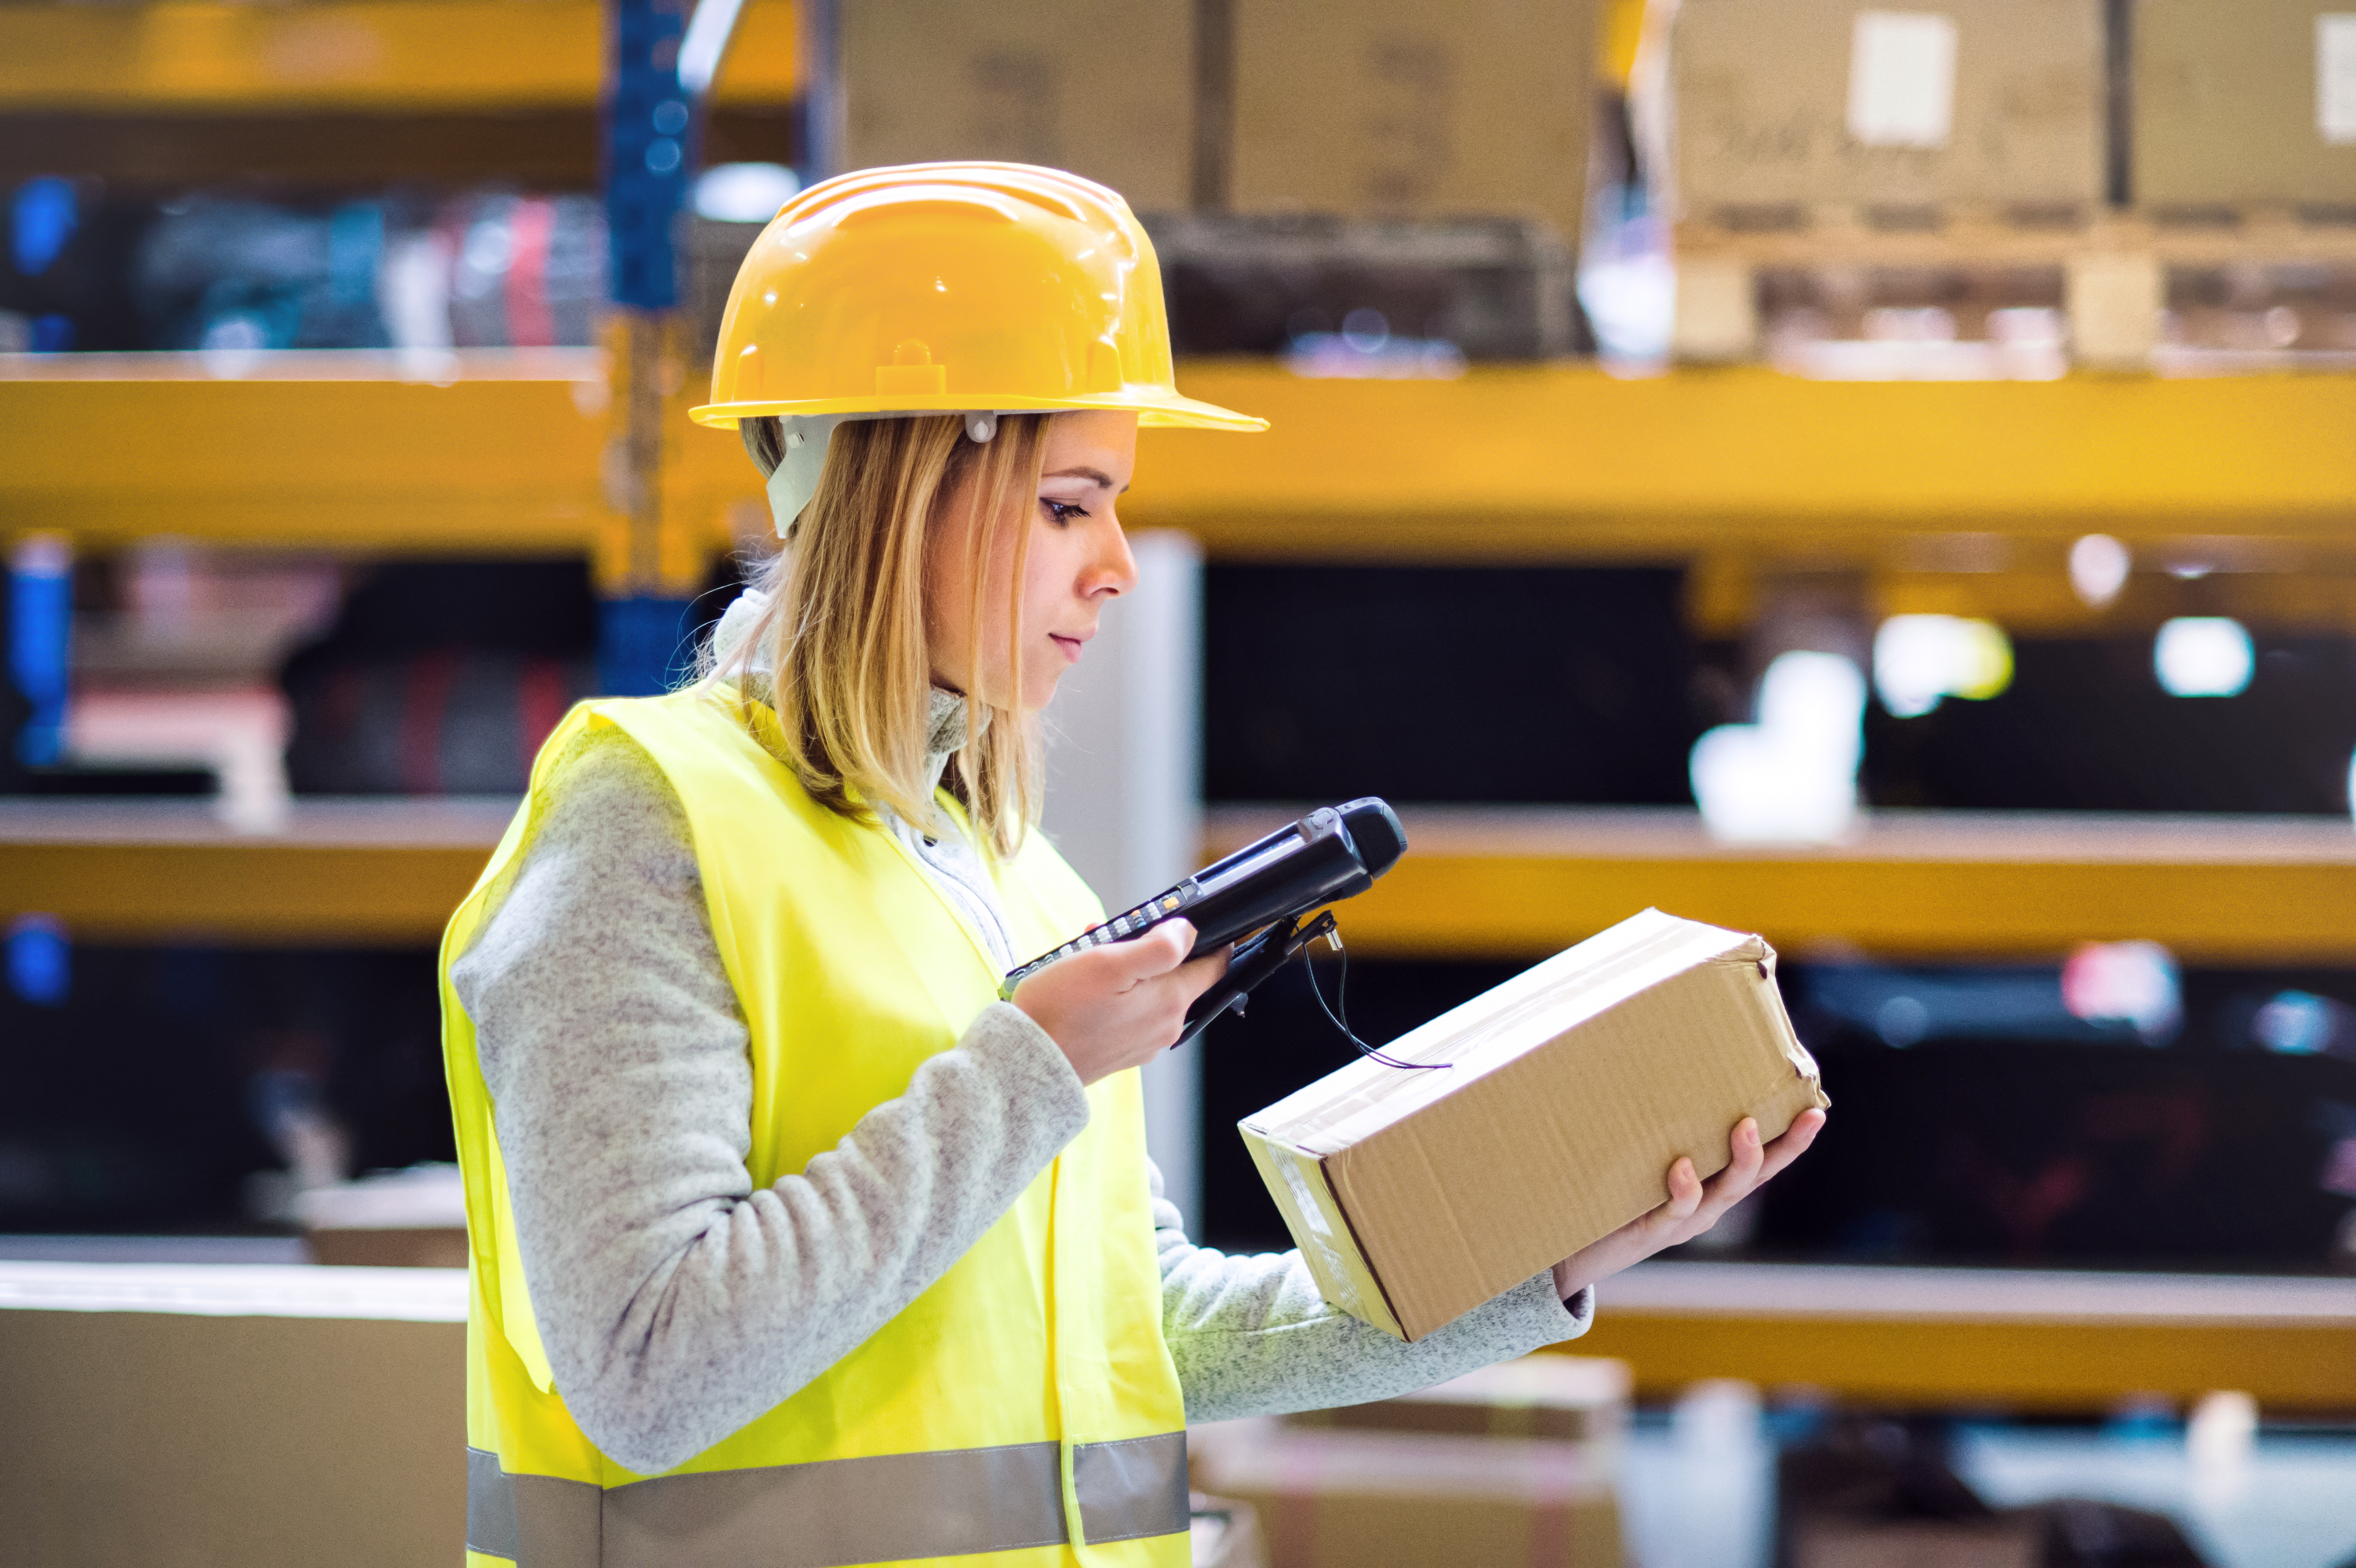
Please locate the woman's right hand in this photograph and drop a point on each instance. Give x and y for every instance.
(1119, 1005)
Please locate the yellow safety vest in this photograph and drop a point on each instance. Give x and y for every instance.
(1024, 1410)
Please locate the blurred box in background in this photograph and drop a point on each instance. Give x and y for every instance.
(1103, 88)
(1371, 299)
(1801, 103)
(1383, 1500)
(1391, 110)
(234, 1416)
(2244, 101)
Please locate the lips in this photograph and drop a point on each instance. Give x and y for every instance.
(1069, 645)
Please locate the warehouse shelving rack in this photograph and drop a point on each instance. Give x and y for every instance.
(1480, 884)
(1741, 473)
(1745, 475)
(340, 89)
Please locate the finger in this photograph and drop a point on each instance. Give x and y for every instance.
(1743, 1159)
(1158, 952)
(1793, 1142)
(1685, 1190)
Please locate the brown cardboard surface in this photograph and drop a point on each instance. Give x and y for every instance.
(1103, 88)
(2009, 1543)
(1370, 1499)
(1573, 1399)
(387, 1246)
(132, 1438)
(1761, 104)
(2225, 106)
(1225, 1534)
(1391, 109)
(1573, 1087)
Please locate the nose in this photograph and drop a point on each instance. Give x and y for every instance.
(1112, 570)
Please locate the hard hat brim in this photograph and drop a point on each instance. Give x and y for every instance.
(1154, 409)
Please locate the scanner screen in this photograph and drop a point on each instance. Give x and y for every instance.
(1226, 875)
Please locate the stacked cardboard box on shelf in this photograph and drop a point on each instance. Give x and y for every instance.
(1103, 88)
(1515, 1463)
(1826, 148)
(1389, 109)
(2244, 103)
(1843, 171)
(1307, 161)
(1784, 107)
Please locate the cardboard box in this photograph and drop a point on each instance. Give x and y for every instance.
(397, 1218)
(1103, 88)
(1571, 1399)
(2244, 102)
(1918, 1543)
(1415, 1196)
(1223, 1532)
(1392, 109)
(1373, 1500)
(132, 1437)
(1802, 103)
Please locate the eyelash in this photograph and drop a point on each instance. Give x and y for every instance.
(1062, 511)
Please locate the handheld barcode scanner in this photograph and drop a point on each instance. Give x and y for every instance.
(1265, 888)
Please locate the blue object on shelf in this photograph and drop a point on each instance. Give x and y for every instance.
(649, 151)
(39, 961)
(40, 644)
(644, 646)
(42, 220)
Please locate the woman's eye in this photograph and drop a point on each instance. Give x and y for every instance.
(1062, 511)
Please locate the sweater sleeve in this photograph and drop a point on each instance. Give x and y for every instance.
(676, 1301)
(1251, 1336)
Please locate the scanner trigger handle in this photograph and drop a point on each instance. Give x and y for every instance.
(1255, 961)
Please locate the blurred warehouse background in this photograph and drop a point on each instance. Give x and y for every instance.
(1881, 478)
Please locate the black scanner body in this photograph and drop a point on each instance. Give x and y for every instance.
(1264, 888)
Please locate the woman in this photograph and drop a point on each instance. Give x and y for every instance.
(832, 1257)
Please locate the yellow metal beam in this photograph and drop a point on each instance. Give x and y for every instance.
(342, 874)
(380, 56)
(1939, 1338)
(1490, 884)
(312, 452)
(1564, 462)
(1955, 495)
(1474, 885)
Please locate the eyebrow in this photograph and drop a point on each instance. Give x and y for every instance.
(1098, 475)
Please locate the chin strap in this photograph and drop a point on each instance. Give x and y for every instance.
(795, 479)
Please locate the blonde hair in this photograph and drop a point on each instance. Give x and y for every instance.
(849, 668)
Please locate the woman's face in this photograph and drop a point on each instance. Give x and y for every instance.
(1078, 560)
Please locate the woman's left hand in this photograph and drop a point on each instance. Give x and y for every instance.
(1693, 1205)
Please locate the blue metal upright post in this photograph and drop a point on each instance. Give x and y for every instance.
(648, 158)
(40, 644)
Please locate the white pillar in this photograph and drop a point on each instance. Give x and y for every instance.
(1125, 793)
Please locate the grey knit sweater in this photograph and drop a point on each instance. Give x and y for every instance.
(676, 1301)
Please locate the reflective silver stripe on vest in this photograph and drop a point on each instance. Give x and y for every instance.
(1131, 1488)
(529, 1519)
(832, 1514)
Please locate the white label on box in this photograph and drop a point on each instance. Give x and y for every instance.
(2335, 76)
(1902, 79)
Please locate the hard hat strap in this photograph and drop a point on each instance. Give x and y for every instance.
(795, 479)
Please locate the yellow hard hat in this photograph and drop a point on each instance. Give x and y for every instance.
(951, 288)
